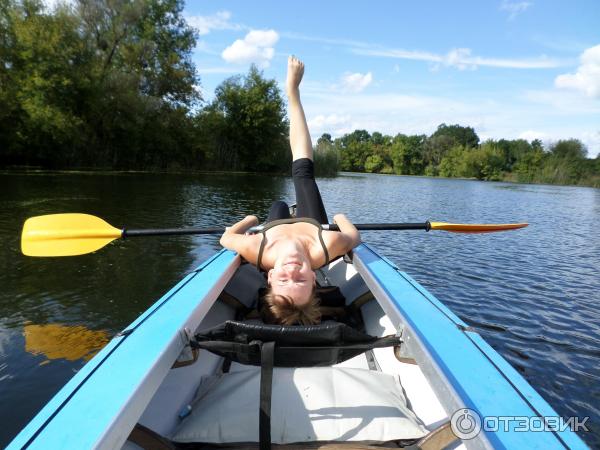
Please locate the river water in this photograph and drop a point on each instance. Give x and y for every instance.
(533, 294)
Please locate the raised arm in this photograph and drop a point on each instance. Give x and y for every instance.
(234, 238)
(348, 230)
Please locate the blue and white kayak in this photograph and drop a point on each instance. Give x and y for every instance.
(442, 386)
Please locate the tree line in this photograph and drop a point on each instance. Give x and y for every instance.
(110, 84)
(456, 151)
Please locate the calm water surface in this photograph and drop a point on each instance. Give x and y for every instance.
(533, 294)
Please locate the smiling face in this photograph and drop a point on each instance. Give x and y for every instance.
(292, 277)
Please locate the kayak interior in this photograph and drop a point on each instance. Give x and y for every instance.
(205, 404)
(148, 388)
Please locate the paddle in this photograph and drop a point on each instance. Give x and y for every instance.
(77, 234)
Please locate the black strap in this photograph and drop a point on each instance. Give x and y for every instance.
(223, 348)
(261, 249)
(294, 355)
(323, 246)
(289, 221)
(267, 358)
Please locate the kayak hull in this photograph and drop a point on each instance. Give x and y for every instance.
(100, 405)
(130, 380)
(461, 367)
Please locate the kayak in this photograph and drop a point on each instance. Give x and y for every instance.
(390, 367)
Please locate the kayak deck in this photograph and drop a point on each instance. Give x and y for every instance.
(444, 366)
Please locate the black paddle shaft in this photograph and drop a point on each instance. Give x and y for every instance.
(172, 231)
(385, 226)
(220, 230)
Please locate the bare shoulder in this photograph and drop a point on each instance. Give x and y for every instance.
(247, 245)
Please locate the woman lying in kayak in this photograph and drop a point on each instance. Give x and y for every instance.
(289, 250)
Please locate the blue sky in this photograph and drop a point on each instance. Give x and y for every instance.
(510, 69)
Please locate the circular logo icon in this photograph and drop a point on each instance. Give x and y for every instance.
(465, 423)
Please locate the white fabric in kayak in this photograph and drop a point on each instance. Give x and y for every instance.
(308, 404)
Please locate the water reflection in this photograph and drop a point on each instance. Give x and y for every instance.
(532, 293)
(70, 342)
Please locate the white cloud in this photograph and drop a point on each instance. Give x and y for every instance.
(416, 55)
(591, 139)
(200, 90)
(531, 116)
(256, 47)
(587, 77)
(514, 8)
(356, 82)
(562, 102)
(462, 58)
(332, 123)
(217, 21)
(51, 5)
(391, 112)
(262, 38)
(329, 120)
(204, 47)
(531, 135)
(592, 142)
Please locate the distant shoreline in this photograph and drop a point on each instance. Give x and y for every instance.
(33, 170)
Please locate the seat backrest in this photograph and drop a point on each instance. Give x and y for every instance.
(301, 346)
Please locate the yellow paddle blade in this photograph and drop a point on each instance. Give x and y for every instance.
(66, 235)
(476, 227)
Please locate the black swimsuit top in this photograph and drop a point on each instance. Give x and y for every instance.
(275, 223)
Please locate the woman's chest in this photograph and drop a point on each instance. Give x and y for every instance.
(306, 238)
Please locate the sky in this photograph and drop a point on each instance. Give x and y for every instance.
(510, 69)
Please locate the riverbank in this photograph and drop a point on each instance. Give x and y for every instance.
(32, 170)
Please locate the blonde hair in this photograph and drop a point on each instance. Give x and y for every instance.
(281, 309)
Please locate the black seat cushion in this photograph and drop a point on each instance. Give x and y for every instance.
(295, 346)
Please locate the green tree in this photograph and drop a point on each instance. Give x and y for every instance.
(325, 139)
(452, 163)
(512, 150)
(434, 150)
(326, 157)
(528, 165)
(464, 136)
(378, 139)
(100, 83)
(41, 56)
(143, 80)
(440, 154)
(565, 162)
(361, 136)
(353, 156)
(407, 154)
(483, 163)
(354, 148)
(374, 163)
(246, 125)
(536, 144)
(569, 149)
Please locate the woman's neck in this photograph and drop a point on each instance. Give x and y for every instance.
(291, 248)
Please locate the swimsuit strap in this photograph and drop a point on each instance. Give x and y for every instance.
(275, 223)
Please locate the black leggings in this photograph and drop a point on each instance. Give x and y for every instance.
(308, 197)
